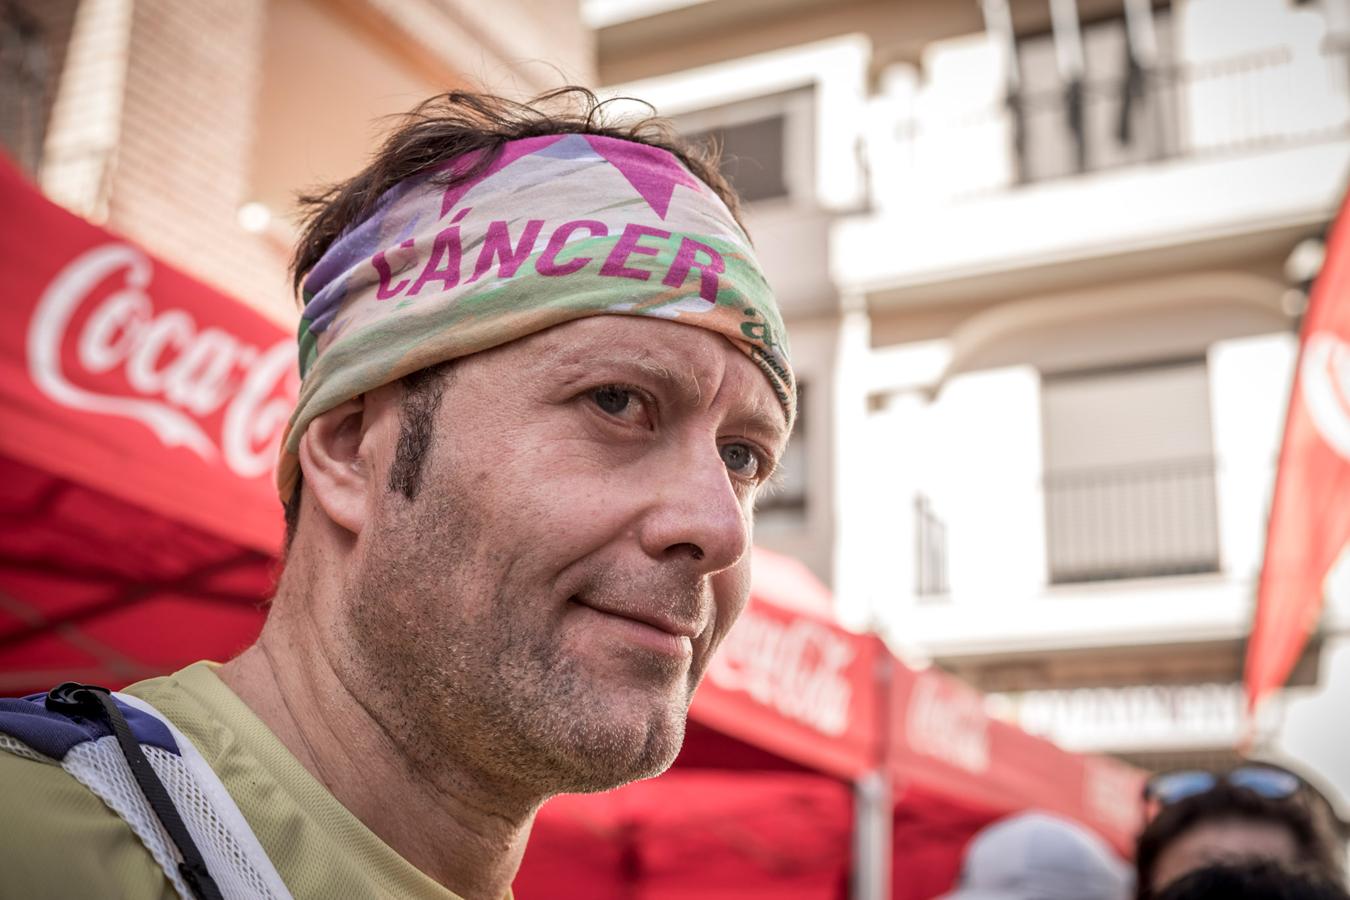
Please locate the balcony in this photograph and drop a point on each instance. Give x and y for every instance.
(1051, 531)
(969, 185)
(1256, 101)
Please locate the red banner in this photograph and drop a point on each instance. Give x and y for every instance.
(123, 375)
(1310, 518)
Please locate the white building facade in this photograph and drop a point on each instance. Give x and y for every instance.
(1042, 266)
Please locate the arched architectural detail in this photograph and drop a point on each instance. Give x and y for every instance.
(1188, 312)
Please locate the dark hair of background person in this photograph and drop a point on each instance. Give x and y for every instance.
(442, 128)
(1306, 816)
(1259, 880)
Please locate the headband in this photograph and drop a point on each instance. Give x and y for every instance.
(554, 229)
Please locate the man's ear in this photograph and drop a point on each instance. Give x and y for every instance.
(336, 474)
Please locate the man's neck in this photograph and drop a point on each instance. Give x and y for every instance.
(451, 826)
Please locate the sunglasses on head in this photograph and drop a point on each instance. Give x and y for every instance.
(1266, 781)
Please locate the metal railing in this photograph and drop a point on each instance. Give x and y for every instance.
(930, 550)
(1135, 521)
(1147, 115)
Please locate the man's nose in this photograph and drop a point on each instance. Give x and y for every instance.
(697, 515)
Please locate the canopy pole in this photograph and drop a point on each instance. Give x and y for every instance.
(872, 837)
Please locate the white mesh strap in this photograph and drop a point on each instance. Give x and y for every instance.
(101, 767)
(236, 860)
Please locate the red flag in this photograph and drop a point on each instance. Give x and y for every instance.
(1310, 518)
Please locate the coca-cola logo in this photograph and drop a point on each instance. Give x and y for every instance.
(1325, 378)
(199, 388)
(948, 722)
(799, 668)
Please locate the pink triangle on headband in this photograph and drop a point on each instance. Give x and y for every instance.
(513, 151)
(651, 171)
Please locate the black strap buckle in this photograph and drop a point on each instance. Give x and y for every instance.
(73, 698)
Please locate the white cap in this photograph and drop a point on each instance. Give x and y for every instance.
(1037, 856)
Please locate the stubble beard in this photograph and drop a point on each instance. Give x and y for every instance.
(475, 684)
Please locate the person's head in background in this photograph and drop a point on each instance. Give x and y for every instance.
(1254, 813)
(1260, 880)
(1038, 856)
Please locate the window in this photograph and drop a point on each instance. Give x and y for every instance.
(1129, 473)
(765, 144)
(752, 157)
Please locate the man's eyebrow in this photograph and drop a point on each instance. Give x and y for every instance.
(685, 383)
(768, 419)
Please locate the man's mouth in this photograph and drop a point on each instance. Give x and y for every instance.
(645, 629)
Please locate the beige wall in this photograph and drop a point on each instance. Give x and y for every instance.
(327, 89)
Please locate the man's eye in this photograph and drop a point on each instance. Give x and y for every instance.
(612, 399)
(740, 459)
(628, 405)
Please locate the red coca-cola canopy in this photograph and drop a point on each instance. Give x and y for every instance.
(139, 416)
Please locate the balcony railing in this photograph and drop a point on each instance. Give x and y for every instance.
(1258, 100)
(1136, 521)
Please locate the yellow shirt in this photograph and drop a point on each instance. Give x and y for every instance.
(58, 840)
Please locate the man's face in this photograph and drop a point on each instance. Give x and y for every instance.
(545, 607)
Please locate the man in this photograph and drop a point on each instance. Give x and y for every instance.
(544, 379)
(1254, 812)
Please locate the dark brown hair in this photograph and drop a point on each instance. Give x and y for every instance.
(451, 125)
(440, 129)
(1254, 880)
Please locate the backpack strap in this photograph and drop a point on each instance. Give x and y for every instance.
(93, 701)
(145, 770)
